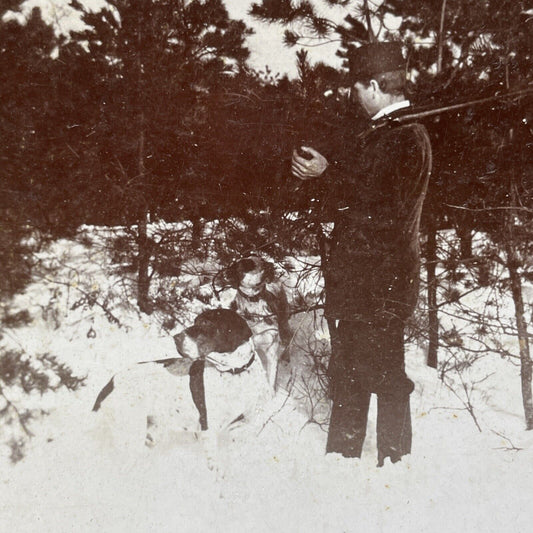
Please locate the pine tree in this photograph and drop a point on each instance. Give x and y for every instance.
(26, 108)
(30, 159)
(157, 60)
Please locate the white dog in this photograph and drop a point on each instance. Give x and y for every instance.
(263, 304)
(218, 380)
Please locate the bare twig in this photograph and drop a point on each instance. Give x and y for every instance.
(512, 447)
(290, 385)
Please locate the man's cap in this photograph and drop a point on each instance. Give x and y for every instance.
(375, 58)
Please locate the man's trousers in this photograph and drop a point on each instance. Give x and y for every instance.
(370, 359)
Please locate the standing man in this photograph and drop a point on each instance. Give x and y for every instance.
(378, 184)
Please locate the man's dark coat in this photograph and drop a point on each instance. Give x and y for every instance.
(373, 268)
(372, 281)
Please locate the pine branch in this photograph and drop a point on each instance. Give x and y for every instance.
(21, 419)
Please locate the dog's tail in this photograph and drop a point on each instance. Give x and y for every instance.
(104, 393)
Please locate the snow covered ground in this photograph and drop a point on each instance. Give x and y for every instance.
(273, 478)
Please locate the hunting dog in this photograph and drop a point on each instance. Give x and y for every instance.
(262, 302)
(217, 381)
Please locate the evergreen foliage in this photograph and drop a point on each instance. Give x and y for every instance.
(153, 64)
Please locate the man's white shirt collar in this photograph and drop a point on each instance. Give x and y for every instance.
(391, 109)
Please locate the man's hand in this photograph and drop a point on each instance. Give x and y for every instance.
(308, 166)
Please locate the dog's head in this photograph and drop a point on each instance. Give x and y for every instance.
(250, 275)
(214, 330)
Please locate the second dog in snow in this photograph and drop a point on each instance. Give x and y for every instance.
(264, 306)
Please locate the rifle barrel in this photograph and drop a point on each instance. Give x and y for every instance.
(427, 112)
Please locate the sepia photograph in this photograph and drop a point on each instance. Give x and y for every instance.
(266, 266)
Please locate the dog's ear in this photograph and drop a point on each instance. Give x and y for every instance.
(269, 272)
(233, 275)
(220, 330)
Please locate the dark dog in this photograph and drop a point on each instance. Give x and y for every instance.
(218, 380)
(262, 302)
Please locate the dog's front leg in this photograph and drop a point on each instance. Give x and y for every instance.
(268, 347)
(209, 442)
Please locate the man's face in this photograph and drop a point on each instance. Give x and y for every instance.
(369, 96)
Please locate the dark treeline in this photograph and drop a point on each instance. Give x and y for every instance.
(152, 109)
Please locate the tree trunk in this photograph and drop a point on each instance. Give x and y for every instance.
(324, 247)
(143, 257)
(521, 326)
(197, 232)
(463, 231)
(433, 318)
(513, 261)
(143, 243)
(431, 251)
(368, 19)
(440, 44)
